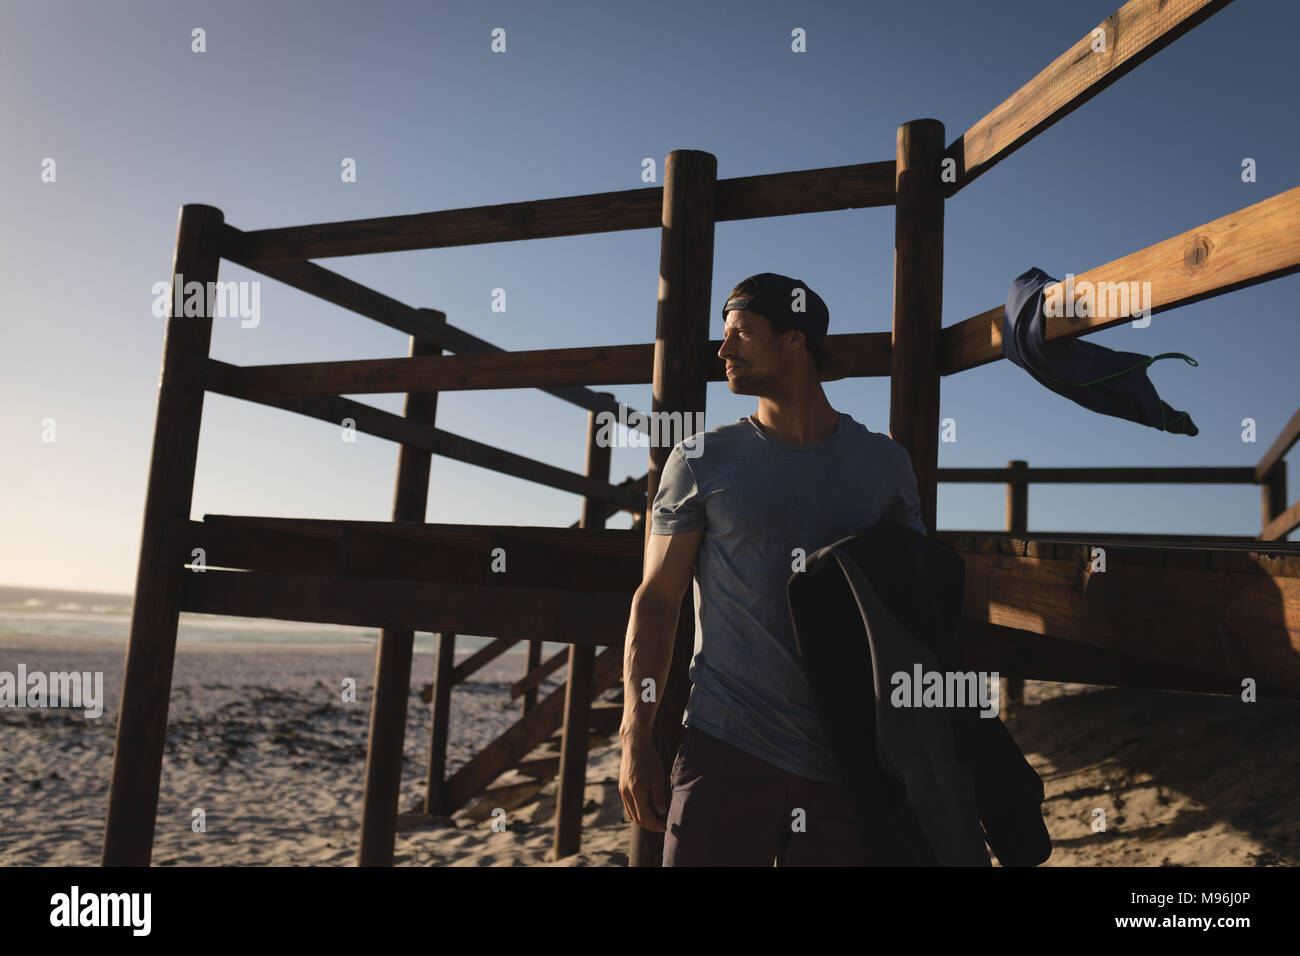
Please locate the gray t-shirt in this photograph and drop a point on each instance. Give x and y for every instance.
(759, 499)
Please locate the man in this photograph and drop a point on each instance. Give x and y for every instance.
(753, 783)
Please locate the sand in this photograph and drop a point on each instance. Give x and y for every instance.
(259, 740)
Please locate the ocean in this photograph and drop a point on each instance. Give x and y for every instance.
(44, 612)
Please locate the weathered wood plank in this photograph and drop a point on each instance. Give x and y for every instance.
(440, 726)
(1177, 475)
(566, 617)
(1242, 552)
(616, 543)
(598, 365)
(857, 186)
(1132, 34)
(681, 371)
(1017, 510)
(746, 197)
(457, 554)
(963, 540)
(1252, 245)
(569, 793)
(392, 688)
(151, 646)
(864, 353)
(1232, 623)
(1273, 498)
(918, 306)
(1025, 655)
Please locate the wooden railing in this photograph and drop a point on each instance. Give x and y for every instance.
(1277, 520)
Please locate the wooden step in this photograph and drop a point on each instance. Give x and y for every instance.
(553, 744)
(541, 768)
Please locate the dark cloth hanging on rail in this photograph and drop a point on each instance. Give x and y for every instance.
(1106, 381)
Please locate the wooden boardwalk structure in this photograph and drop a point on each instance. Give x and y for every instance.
(1169, 611)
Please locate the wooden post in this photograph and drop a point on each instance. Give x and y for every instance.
(393, 657)
(151, 647)
(577, 688)
(435, 794)
(1012, 692)
(681, 365)
(534, 660)
(918, 304)
(1018, 496)
(1273, 494)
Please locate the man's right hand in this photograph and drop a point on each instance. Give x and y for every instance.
(641, 785)
(647, 653)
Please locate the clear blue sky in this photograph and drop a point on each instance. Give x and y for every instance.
(258, 125)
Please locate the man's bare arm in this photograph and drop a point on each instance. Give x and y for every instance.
(648, 647)
(648, 653)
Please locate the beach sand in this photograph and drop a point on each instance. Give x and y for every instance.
(260, 740)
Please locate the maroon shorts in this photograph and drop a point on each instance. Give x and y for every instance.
(729, 808)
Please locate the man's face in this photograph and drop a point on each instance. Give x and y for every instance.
(757, 360)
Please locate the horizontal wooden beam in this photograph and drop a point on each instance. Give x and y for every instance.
(522, 557)
(865, 353)
(971, 342)
(747, 197)
(599, 365)
(1242, 554)
(1243, 542)
(566, 616)
(599, 540)
(505, 222)
(857, 186)
(428, 325)
(1281, 445)
(1132, 34)
(1176, 475)
(1029, 656)
(1252, 245)
(1234, 615)
(383, 424)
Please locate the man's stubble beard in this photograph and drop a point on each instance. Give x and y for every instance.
(746, 383)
